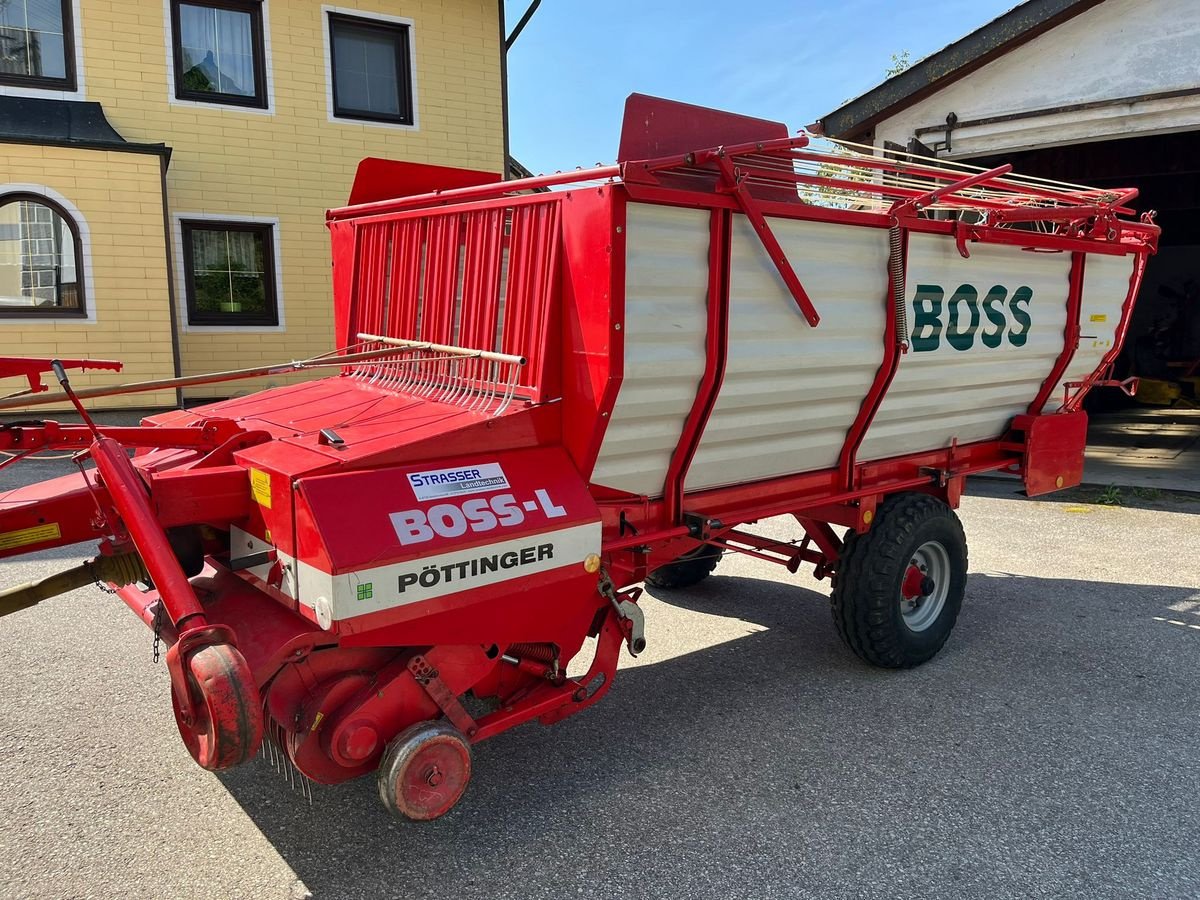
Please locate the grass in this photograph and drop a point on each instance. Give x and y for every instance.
(1110, 496)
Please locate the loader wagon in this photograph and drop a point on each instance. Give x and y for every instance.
(540, 399)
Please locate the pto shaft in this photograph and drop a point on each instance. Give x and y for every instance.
(119, 570)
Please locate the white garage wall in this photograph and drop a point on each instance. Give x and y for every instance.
(1120, 48)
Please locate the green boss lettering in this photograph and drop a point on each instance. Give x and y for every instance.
(965, 316)
(927, 318)
(995, 316)
(960, 331)
(1021, 295)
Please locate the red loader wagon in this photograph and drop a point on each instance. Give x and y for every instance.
(540, 399)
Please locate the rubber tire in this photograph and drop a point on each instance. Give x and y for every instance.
(689, 569)
(866, 587)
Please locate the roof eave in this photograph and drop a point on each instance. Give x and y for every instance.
(1017, 26)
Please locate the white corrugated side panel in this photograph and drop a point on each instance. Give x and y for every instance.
(791, 392)
(666, 292)
(1105, 287)
(945, 393)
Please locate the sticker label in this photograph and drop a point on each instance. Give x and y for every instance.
(1097, 317)
(476, 479)
(451, 520)
(260, 487)
(38, 534)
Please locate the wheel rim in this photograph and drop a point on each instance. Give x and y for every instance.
(427, 774)
(925, 587)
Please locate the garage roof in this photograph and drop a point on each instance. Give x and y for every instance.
(1020, 24)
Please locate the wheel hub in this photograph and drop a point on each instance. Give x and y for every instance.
(925, 586)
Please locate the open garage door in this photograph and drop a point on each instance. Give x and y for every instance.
(1158, 433)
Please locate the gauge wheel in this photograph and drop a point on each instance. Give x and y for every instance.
(425, 771)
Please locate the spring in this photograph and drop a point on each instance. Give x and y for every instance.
(896, 271)
(543, 653)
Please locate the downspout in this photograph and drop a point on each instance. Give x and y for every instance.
(168, 239)
(503, 88)
(508, 41)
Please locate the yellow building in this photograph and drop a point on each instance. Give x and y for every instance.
(165, 166)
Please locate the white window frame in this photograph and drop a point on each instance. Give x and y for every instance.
(10, 90)
(85, 244)
(326, 11)
(177, 219)
(169, 32)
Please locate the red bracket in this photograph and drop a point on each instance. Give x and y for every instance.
(427, 676)
(735, 186)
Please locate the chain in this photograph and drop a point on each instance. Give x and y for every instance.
(157, 628)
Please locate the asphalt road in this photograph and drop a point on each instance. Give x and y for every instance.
(1051, 750)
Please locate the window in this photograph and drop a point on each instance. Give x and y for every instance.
(219, 51)
(229, 271)
(41, 259)
(371, 70)
(36, 44)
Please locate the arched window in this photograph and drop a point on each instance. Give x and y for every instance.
(41, 258)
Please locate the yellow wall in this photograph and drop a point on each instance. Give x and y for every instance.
(294, 164)
(119, 198)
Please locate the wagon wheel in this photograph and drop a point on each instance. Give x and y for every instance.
(424, 771)
(899, 587)
(689, 569)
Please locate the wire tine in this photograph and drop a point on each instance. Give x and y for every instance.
(510, 388)
(414, 377)
(469, 372)
(478, 383)
(454, 382)
(406, 374)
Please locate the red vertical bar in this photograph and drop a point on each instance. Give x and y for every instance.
(716, 345)
(517, 292)
(369, 312)
(441, 269)
(406, 269)
(888, 365)
(481, 278)
(545, 257)
(1070, 334)
(1135, 282)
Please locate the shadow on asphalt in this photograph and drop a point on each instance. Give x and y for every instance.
(710, 770)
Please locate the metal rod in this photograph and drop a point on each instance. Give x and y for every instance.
(447, 349)
(139, 387)
(477, 192)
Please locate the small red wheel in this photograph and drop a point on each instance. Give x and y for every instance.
(424, 771)
(227, 727)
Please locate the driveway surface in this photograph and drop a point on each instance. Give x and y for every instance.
(1051, 750)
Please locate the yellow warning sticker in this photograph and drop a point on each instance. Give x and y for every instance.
(260, 487)
(38, 534)
(1097, 317)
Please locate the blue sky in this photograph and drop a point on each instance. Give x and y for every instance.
(575, 62)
